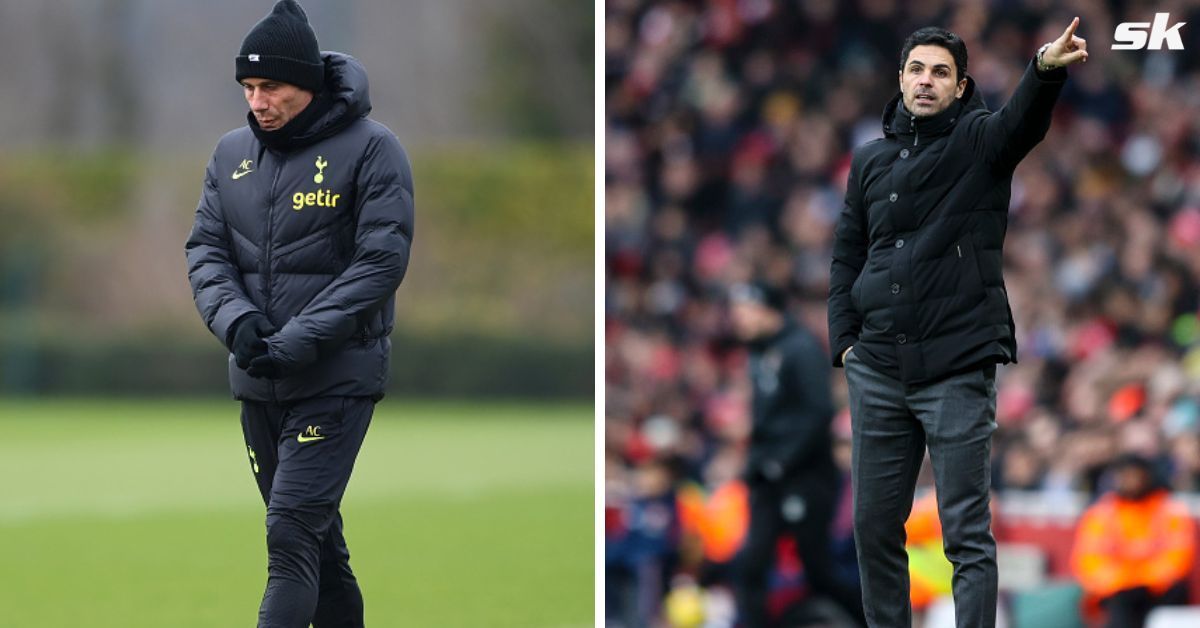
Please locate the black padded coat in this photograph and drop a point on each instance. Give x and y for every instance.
(916, 282)
(316, 238)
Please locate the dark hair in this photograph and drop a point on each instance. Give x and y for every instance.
(934, 36)
(760, 292)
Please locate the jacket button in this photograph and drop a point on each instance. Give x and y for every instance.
(901, 338)
(900, 243)
(895, 288)
(904, 154)
(893, 196)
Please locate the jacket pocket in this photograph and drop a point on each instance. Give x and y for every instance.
(246, 254)
(970, 279)
(370, 327)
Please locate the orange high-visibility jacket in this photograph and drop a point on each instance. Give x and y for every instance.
(929, 573)
(719, 520)
(1121, 544)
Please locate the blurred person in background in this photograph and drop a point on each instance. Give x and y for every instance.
(793, 482)
(716, 515)
(930, 574)
(918, 313)
(300, 241)
(1134, 548)
(641, 530)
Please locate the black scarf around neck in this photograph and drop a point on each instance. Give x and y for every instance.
(295, 134)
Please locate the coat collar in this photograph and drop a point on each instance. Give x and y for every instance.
(898, 122)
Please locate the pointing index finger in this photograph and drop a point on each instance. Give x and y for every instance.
(1067, 34)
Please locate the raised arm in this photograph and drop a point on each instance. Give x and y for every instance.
(1006, 136)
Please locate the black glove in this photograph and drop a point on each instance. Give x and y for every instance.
(264, 367)
(248, 340)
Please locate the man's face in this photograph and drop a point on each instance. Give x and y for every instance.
(928, 81)
(274, 104)
(743, 315)
(1131, 482)
(751, 320)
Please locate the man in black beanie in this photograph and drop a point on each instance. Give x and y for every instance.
(301, 238)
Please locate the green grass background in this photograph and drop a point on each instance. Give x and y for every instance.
(145, 513)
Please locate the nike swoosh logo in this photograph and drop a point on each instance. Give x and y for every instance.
(238, 175)
(304, 439)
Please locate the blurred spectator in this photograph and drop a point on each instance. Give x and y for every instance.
(929, 571)
(717, 517)
(1135, 547)
(640, 536)
(794, 484)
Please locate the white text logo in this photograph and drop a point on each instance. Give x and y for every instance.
(1132, 35)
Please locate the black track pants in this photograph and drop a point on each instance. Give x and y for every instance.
(302, 454)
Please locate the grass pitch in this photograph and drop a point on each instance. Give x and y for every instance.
(145, 514)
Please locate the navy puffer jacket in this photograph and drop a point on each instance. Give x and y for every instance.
(317, 238)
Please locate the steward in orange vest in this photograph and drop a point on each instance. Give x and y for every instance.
(1134, 548)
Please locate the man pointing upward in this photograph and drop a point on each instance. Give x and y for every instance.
(918, 312)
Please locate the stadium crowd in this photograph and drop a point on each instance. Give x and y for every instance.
(730, 125)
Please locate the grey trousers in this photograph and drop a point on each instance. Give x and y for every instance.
(892, 424)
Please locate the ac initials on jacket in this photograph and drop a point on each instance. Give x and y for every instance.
(320, 198)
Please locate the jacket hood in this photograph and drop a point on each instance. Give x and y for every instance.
(897, 120)
(347, 88)
(344, 99)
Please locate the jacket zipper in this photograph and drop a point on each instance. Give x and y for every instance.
(270, 249)
(914, 126)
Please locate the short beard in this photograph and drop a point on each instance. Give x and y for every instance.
(921, 116)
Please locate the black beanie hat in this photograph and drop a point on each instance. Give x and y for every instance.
(283, 47)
